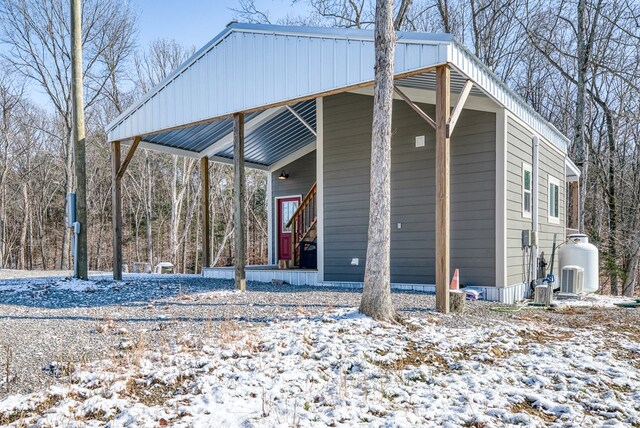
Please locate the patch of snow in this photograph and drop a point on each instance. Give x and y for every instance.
(346, 369)
(595, 300)
(75, 284)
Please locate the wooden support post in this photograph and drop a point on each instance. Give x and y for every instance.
(238, 201)
(443, 159)
(116, 210)
(206, 225)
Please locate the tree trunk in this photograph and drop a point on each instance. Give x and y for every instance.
(25, 226)
(136, 233)
(148, 211)
(376, 295)
(612, 255)
(443, 9)
(631, 274)
(173, 226)
(3, 231)
(581, 151)
(30, 254)
(68, 186)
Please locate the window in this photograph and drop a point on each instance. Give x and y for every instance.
(288, 208)
(554, 200)
(526, 190)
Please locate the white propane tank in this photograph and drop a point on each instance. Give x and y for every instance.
(579, 252)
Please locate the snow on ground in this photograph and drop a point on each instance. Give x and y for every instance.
(344, 369)
(53, 292)
(21, 274)
(596, 300)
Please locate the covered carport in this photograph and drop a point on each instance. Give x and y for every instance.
(251, 98)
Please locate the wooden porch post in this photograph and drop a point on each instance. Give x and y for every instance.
(206, 227)
(443, 158)
(116, 210)
(238, 201)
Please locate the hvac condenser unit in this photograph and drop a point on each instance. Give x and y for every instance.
(572, 280)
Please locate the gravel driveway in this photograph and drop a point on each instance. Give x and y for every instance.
(53, 320)
(49, 320)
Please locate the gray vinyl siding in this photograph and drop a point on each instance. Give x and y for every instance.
(519, 150)
(302, 175)
(347, 136)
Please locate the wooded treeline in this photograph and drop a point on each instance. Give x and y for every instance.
(575, 61)
(161, 193)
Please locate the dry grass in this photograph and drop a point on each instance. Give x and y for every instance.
(155, 394)
(573, 310)
(39, 409)
(96, 415)
(131, 352)
(105, 325)
(414, 355)
(8, 351)
(627, 355)
(620, 320)
(527, 407)
(543, 337)
(229, 331)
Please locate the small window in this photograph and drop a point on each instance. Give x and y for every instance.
(554, 200)
(288, 209)
(526, 190)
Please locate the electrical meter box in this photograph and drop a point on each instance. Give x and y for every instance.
(526, 238)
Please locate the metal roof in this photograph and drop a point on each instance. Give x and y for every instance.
(572, 170)
(279, 137)
(260, 68)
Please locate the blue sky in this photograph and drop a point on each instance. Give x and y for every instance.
(195, 22)
(190, 22)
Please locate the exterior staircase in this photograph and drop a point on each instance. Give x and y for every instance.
(303, 225)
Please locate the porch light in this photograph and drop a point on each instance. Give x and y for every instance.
(283, 175)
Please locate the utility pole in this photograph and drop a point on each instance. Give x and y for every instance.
(80, 269)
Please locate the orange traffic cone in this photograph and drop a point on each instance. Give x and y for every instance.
(455, 281)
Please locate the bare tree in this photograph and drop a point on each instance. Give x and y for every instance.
(38, 33)
(605, 39)
(376, 295)
(154, 65)
(327, 13)
(10, 99)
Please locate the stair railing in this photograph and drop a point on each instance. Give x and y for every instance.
(302, 222)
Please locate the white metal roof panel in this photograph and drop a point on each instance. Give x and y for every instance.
(250, 67)
(469, 65)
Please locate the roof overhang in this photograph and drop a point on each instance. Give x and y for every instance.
(572, 170)
(273, 74)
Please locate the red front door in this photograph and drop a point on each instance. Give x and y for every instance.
(286, 208)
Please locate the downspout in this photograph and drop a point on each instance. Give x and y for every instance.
(534, 208)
